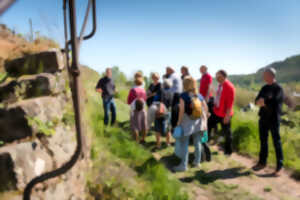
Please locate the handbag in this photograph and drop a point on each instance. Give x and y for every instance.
(204, 137)
(178, 132)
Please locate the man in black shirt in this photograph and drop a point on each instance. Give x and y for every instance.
(106, 87)
(270, 99)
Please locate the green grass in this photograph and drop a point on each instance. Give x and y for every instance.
(117, 143)
(246, 140)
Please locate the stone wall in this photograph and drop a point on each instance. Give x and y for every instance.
(37, 131)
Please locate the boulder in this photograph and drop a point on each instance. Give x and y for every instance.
(31, 86)
(48, 62)
(14, 120)
(62, 144)
(8, 92)
(43, 108)
(13, 125)
(26, 160)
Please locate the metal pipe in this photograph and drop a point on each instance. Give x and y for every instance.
(76, 103)
(5, 4)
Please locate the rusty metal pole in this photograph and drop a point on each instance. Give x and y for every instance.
(75, 72)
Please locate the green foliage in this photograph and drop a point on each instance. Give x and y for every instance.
(268, 189)
(45, 128)
(246, 140)
(118, 76)
(3, 77)
(153, 179)
(244, 97)
(287, 71)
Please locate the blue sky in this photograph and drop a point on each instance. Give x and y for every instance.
(239, 36)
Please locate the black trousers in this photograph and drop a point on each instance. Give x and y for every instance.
(210, 104)
(226, 131)
(264, 127)
(175, 110)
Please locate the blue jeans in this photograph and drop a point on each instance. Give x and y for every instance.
(184, 149)
(109, 105)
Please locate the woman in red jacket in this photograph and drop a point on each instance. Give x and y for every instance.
(223, 108)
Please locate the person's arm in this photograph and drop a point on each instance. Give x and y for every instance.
(229, 104)
(259, 100)
(131, 96)
(99, 86)
(208, 89)
(205, 108)
(181, 111)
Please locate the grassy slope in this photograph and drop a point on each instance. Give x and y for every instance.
(121, 168)
(246, 139)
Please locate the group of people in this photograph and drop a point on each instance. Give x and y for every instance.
(176, 106)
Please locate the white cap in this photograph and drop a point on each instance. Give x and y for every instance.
(271, 70)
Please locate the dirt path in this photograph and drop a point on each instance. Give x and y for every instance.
(283, 187)
(231, 178)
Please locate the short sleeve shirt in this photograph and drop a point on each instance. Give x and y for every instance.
(205, 81)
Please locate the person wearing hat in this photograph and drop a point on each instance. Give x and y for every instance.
(270, 99)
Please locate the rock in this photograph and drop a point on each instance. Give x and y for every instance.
(27, 160)
(31, 86)
(13, 125)
(43, 108)
(249, 107)
(48, 62)
(62, 144)
(7, 173)
(8, 92)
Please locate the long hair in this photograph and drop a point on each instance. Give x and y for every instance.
(190, 84)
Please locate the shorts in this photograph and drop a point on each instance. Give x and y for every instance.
(162, 125)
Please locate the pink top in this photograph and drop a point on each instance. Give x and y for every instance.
(136, 92)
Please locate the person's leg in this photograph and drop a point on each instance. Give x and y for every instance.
(197, 145)
(144, 123)
(167, 129)
(263, 136)
(212, 122)
(184, 154)
(158, 142)
(134, 125)
(113, 111)
(206, 151)
(226, 129)
(136, 135)
(277, 144)
(168, 138)
(106, 110)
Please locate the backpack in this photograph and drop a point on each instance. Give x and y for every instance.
(139, 104)
(196, 107)
(161, 110)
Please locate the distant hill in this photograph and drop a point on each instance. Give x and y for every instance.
(287, 71)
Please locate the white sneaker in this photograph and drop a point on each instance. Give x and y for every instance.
(179, 168)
